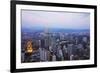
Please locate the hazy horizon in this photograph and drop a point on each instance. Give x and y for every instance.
(58, 20)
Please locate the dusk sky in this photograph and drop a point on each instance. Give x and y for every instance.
(49, 19)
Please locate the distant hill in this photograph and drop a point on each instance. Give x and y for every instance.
(54, 30)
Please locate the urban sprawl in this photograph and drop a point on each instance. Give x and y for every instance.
(54, 46)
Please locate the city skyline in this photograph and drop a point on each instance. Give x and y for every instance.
(54, 36)
(51, 19)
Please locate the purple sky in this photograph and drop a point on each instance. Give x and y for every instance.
(66, 20)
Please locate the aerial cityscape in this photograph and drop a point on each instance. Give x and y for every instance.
(48, 36)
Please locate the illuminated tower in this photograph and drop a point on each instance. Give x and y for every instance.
(29, 47)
